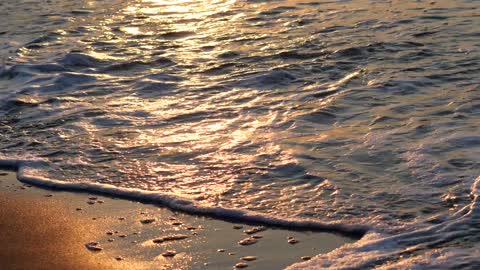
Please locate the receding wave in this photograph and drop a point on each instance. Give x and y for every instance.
(433, 246)
(25, 173)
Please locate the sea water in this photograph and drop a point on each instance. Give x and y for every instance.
(352, 116)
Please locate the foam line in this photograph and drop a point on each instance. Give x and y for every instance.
(180, 203)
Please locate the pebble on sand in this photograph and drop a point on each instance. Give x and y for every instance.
(306, 258)
(241, 265)
(247, 241)
(148, 220)
(293, 241)
(220, 250)
(249, 258)
(257, 236)
(237, 227)
(91, 202)
(255, 230)
(169, 253)
(118, 258)
(172, 237)
(93, 246)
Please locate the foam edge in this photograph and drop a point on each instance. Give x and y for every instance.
(179, 203)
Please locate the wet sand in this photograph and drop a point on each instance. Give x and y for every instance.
(38, 233)
(48, 229)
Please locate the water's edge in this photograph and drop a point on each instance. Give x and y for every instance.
(183, 204)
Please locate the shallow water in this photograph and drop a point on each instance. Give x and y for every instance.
(361, 114)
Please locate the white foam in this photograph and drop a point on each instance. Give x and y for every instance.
(408, 250)
(28, 172)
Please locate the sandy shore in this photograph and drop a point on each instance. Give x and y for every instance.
(48, 229)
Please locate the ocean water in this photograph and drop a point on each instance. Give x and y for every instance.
(352, 116)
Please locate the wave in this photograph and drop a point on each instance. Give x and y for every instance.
(26, 173)
(438, 246)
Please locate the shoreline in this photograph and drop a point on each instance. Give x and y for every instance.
(136, 235)
(185, 205)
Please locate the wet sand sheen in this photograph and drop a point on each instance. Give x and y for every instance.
(45, 229)
(40, 234)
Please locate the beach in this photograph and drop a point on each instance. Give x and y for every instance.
(213, 134)
(53, 229)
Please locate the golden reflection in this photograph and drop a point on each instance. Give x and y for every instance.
(135, 31)
(215, 138)
(222, 134)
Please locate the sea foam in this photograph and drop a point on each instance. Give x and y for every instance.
(27, 172)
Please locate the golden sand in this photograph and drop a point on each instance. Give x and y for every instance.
(39, 234)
